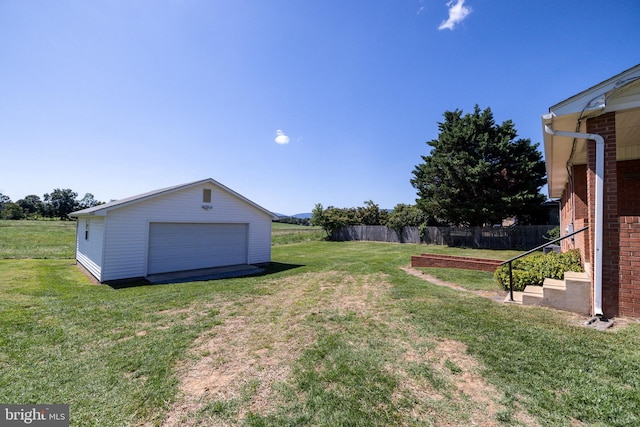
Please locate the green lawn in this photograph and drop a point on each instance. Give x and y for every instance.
(290, 233)
(334, 334)
(37, 239)
(469, 279)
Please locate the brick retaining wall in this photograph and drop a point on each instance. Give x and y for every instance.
(451, 261)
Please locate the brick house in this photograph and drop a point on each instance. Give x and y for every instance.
(592, 152)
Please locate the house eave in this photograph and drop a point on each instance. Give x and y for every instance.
(558, 151)
(619, 93)
(597, 99)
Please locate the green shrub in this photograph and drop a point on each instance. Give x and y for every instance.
(533, 269)
(553, 234)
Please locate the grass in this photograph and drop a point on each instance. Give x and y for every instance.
(468, 279)
(558, 371)
(60, 335)
(37, 239)
(283, 233)
(335, 334)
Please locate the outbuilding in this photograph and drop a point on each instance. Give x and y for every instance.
(193, 226)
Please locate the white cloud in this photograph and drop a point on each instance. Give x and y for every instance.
(457, 13)
(281, 138)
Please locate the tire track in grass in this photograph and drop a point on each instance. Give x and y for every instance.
(242, 365)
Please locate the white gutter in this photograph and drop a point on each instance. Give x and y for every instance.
(598, 232)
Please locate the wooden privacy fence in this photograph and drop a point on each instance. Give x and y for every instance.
(515, 237)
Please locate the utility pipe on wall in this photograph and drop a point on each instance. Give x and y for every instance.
(598, 232)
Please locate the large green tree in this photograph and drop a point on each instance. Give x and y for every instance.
(88, 201)
(60, 203)
(31, 205)
(478, 172)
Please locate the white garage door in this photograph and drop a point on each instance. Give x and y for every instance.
(177, 246)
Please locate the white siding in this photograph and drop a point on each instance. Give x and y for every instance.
(89, 250)
(127, 230)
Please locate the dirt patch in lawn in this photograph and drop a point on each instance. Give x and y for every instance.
(239, 366)
(448, 387)
(254, 348)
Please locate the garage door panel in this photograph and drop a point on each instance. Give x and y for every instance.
(177, 246)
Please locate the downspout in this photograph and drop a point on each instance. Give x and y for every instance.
(598, 232)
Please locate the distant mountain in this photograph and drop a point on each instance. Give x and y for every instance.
(300, 215)
(303, 215)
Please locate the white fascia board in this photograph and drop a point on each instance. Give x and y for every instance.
(595, 98)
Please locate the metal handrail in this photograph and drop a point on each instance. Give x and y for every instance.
(510, 261)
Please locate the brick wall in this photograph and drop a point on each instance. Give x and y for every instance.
(629, 225)
(575, 210)
(582, 212)
(629, 187)
(630, 265)
(621, 228)
(450, 261)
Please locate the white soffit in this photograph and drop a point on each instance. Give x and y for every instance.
(603, 95)
(621, 92)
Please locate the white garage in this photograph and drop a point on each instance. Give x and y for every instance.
(192, 226)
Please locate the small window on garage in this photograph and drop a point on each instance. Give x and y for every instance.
(86, 230)
(206, 195)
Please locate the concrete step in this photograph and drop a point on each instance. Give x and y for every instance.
(575, 280)
(578, 294)
(532, 295)
(554, 283)
(517, 298)
(571, 294)
(554, 293)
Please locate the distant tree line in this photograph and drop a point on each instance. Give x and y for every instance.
(294, 220)
(402, 215)
(57, 204)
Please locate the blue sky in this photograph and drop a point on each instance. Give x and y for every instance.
(288, 102)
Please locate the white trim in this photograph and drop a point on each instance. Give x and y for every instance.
(595, 98)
